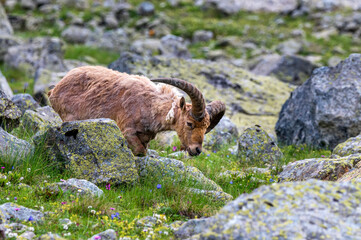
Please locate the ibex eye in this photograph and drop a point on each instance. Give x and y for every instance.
(189, 124)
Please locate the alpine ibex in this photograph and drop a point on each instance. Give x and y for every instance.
(140, 108)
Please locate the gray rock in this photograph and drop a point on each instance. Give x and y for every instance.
(353, 175)
(305, 210)
(27, 4)
(13, 147)
(76, 34)
(214, 195)
(323, 112)
(290, 47)
(21, 213)
(223, 134)
(202, 36)
(109, 234)
(349, 147)
(330, 5)
(114, 40)
(4, 86)
(50, 236)
(4, 217)
(173, 3)
(41, 52)
(174, 169)
(41, 118)
(149, 221)
(318, 168)
(291, 69)
(5, 26)
(146, 47)
(95, 149)
(111, 21)
(27, 235)
(333, 61)
(25, 102)
(146, 9)
(173, 46)
(234, 6)
(9, 113)
(255, 145)
(6, 41)
(75, 186)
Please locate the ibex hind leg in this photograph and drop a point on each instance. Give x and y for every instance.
(137, 147)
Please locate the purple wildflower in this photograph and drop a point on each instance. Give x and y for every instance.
(31, 219)
(174, 148)
(159, 186)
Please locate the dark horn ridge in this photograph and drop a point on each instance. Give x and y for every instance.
(198, 103)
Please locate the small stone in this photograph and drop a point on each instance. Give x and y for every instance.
(146, 9)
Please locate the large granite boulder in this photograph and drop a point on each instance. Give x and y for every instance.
(13, 147)
(41, 52)
(298, 210)
(95, 150)
(7, 41)
(75, 186)
(41, 118)
(250, 99)
(9, 113)
(329, 169)
(255, 145)
(324, 111)
(290, 69)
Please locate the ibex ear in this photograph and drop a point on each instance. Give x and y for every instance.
(182, 103)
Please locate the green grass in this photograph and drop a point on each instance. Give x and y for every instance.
(19, 80)
(90, 54)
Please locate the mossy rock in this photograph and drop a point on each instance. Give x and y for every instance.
(41, 118)
(329, 169)
(94, 150)
(9, 113)
(351, 146)
(25, 102)
(255, 145)
(12, 147)
(295, 210)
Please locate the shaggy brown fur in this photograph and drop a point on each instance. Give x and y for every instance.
(138, 106)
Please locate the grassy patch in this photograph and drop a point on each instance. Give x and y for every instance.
(91, 55)
(19, 80)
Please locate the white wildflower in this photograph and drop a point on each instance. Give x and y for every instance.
(8, 183)
(65, 227)
(90, 207)
(10, 235)
(29, 169)
(42, 208)
(22, 178)
(93, 211)
(67, 234)
(165, 233)
(31, 229)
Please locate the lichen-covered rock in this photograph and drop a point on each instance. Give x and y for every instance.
(318, 168)
(349, 147)
(174, 169)
(190, 228)
(255, 145)
(75, 186)
(25, 102)
(40, 52)
(13, 147)
(21, 213)
(224, 133)
(215, 195)
(290, 69)
(109, 234)
(4, 86)
(249, 98)
(4, 216)
(41, 118)
(298, 210)
(9, 113)
(353, 174)
(95, 150)
(50, 236)
(324, 111)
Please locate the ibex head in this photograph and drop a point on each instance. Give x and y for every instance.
(192, 121)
